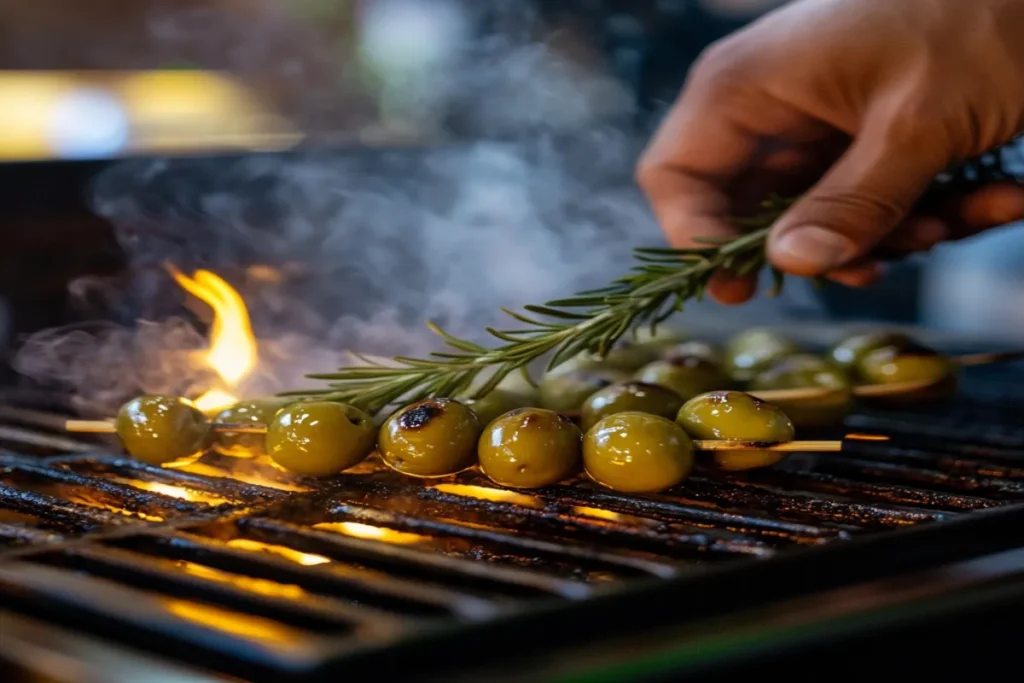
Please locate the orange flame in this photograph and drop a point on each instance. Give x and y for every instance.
(232, 353)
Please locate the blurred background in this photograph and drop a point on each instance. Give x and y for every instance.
(354, 166)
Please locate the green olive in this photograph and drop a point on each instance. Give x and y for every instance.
(802, 371)
(495, 404)
(431, 438)
(629, 396)
(625, 355)
(755, 350)
(253, 412)
(567, 392)
(692, 349)
(515, 384)
(848, 353)
(319, 438)
(529, 448)
(737, 416)
(163, 430)
(637, 453)
(663, 338)
(688, 376)
(909, 362)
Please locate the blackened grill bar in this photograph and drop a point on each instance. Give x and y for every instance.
(237, 568)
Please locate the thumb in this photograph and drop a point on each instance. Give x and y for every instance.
(861, 199)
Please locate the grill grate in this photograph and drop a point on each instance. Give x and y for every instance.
(235, 567)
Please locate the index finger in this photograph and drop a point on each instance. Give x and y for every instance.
(688, 164)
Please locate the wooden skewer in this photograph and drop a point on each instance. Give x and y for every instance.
(108, 427)
(989, 358)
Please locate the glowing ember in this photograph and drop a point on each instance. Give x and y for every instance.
(597, 513)
(234, 623)
(497, 495)
(254, 585)
(232, 353)
(178, 492)
(306, 559)
(375, 532)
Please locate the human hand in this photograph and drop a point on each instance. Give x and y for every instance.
(860, 104)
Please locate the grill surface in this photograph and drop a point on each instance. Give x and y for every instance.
(234, 568)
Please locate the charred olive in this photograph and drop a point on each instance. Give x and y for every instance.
(637, 453)
(319, 438)
(755, 350)
(737, 416)
(632, 396)
(530, 447)
(801, 371)
(430, 438)
(568, 391)
(909, 362)
(163, 430)
(688, 376)
(254, 412)
(848, 353)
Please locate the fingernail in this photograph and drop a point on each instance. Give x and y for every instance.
(813, 249)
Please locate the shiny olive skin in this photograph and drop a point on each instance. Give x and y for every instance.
(494, 405)
(688, 376)
(909, 362)
(258, 411)
(430, 438)
(804, 370)
(629, 396)
(848, 353)
(163, 430)
(693, 349)
(755, 350)
(529, 448)
(567, 392)
(737, 416)
(637, 453)
(319, 438)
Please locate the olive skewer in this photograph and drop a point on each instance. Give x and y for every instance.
(108, 427)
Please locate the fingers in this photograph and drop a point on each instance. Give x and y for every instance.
(861, 199)
(996, 204)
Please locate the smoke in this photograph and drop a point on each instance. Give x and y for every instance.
(355, 250)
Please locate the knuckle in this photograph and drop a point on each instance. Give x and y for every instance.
(722, 68)
(856, 211)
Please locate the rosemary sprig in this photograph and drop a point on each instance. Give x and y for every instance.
(659, 285)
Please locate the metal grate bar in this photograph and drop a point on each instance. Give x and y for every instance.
(581, 556)
(57, 514)
(286, 603)
(500, 580)
(110, 493)
(976, 484)
(820, 482)
(15, 534)
(102, 606)
(957, 464)
(664, 509)
(799, 507)
(659, 539)
(221, 486)
(368, 587)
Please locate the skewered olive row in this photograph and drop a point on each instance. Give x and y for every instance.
(638, 423)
